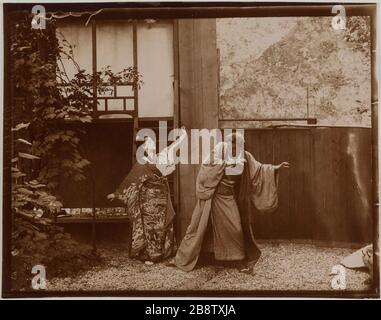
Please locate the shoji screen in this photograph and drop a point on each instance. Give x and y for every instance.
(115, 49)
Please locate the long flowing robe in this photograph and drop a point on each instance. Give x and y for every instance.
(231, 215)
(146, 194)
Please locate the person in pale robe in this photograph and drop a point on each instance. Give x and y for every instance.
(226, 200)
(146, 195)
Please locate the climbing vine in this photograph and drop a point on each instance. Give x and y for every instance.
(49, 111)
(49, 98)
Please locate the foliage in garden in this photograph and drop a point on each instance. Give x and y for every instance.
(50, 112)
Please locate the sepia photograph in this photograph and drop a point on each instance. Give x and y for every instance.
(190, 149)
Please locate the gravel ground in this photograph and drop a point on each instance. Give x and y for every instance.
(285, 266)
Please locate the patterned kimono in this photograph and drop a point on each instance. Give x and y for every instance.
(146, 194)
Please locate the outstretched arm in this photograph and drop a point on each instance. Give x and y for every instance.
(111, 196)
(165, 160)
(178, 141)
(282, 165)
(167, 155)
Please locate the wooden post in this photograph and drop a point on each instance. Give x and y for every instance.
(198, 98)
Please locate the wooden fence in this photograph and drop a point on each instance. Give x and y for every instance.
(326, 194)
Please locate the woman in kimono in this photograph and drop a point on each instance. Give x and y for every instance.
(227, 190)
(146, 195)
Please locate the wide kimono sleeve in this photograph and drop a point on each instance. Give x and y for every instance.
(264, 184)
(129, 187)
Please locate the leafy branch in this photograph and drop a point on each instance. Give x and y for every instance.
(44, 146)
